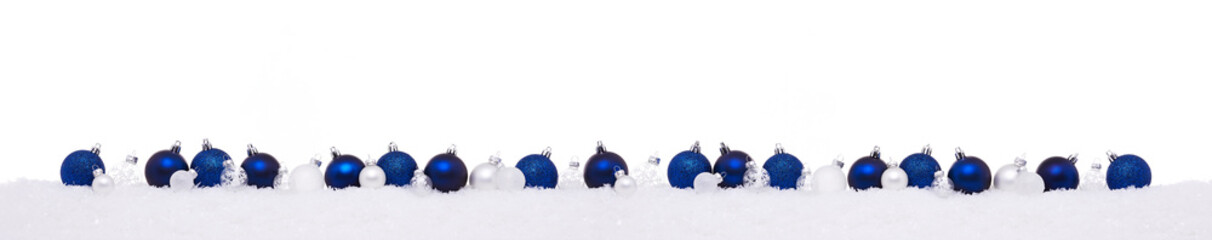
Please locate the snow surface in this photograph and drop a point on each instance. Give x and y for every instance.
(49, 210)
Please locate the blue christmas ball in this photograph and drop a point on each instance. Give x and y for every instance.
(784, 170)
(261, 169)
(732, 164)
(208, 164)
(446, 172)
(685, 166)
(343, 172)
(539, 170)
(1128, 171)
(599, 170)
(920, 167)
(77, 168)
(970, 175)
(399, 167)
(866, 172)
(161, 166)
(1058, 173)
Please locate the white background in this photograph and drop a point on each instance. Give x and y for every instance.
(823, 78)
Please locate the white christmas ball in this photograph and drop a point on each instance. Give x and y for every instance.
(1005, 177)
(1028, 182)
(306, 177)
(707, 182)
(829, 178)
(481, 176)
(894, 178)
(103, 184)
(372, 176)
(509, 179)
(625, 185)
(420, 183)
(182, 180)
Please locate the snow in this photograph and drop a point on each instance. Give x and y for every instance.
(35, 209)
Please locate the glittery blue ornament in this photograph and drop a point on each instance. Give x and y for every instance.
(161, 166)
(866, 172)
(969, 174)
(447, 173)
(599, 170)
(732, 165)
(1128, 171)
(1059, 173)
(343, 171)
(687, 165)
(920, 167)
(784, 169)
(208, 164)
(77, 167)
(540, 172)
(398, 166)
(261, 168)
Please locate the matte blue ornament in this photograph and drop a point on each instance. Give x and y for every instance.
(343, 171)
(1128, 171)
(599, 170)
(261, 168)
(398, 166)
(687, 165)
(1059, 173)
(732, 165)
(208, 164)
(920, 167)
(540, 172)
(446, 171)
(784, 169)
(77, 167)
(866, 172)
(161, 166)
(969, 174)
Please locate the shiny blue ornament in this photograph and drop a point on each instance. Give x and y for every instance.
(77, 167)
(599, 170)
(343, 171)
(732, 165)
(261, 168)
(447, 172)
(866, 172)
(1059, 173)
(208, 164)
(161, 166)
(398, 166)
(1128, 171)
(540, 172)
(784, 169)
(969, 174)
(920, 167)
(687, 165)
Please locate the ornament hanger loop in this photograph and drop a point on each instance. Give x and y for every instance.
(778, 148)
(1021, 162)
(370, 160)
(927, 150)
(601, 147)
(1111, 156)
(392, 147)
(875, 152)
(838, 161)
(96, 148)
(335, 153)
(206, 144)
(1072, 158)
(316, 160)
(619, 172)
(451, 149)
(495, 159)
(695, 148)
(575, 162)
(724, 148)
(547, 152)
(252, 150)
(959, 154)
(176, 146)
(654, 159)
(132, 159)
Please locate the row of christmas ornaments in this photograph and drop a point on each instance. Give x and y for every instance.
(446, 172)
